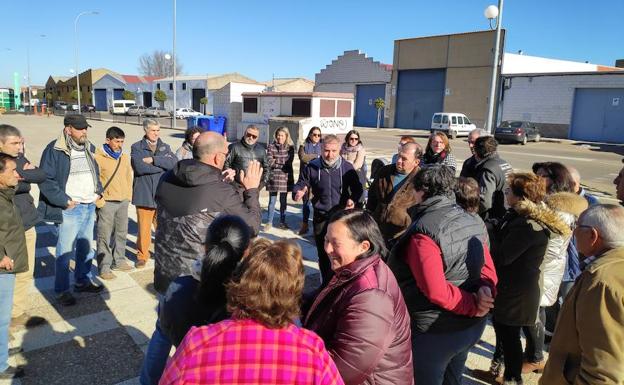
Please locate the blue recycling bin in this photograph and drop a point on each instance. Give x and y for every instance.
(191, 121)
(208, 123)
(217, 124)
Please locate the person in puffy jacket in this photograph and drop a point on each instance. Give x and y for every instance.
(243, 152)
(361, 315)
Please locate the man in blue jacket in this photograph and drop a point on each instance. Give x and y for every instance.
(67, 198)
(335, 186)
(150, 158)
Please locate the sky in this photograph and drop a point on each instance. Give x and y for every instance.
(265, 38)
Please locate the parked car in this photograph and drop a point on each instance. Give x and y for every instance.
(121, 106)
(517, 131)
(156, 112)
(183, 113)
(87, 108)
(72, 107)
(59, 105)
(136, 110)
(452, 124)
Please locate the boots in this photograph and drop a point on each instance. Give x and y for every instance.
(304, 228)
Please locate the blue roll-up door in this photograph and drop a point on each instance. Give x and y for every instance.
(598, 115)
(118, 93)
(420, 94)
(365, 111)
(100, 99)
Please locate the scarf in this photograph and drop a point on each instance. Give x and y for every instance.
(113, 154)
(73, 146)
(335, 164)
(344, 149)
(431, 157)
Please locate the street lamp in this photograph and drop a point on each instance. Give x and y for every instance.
(493, 12)
(174, 124)
(76, 51)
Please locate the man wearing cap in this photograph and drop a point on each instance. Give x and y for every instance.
(67, 199)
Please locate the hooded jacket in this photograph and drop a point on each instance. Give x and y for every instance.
(12, 238)
(568, 207)
(190, 197)
(518, 248)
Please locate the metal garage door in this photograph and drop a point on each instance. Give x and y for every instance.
(118, 93)
(365, 111)
(420, 94)
(100, 99)
(598, 115)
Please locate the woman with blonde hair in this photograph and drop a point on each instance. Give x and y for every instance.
(439, 152)
(259, 344)
(280, 155)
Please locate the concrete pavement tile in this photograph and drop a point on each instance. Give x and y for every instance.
(145, 278)
(45, 306)
(63, 331)
(123, 281)
(141, 330)
(103, 358)
(132, 381)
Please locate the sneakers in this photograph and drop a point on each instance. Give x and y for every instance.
(496, 368)
(283, 226)
(88, 287)
(304, 229)
(66, 299)
(267, 227)
(124, 266)
(27, 321)
(12, 372)
(535, 367)
(107, 275)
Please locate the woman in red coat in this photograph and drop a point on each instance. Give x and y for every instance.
(361, 314)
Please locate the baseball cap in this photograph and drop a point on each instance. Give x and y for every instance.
(76, 121)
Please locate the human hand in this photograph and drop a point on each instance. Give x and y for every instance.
(6, 263)
(299, 195)
(228, 175)
(148, 160)
(71, 204)
(485, 301)
(29, 166)
(250, 178)
(350, 204)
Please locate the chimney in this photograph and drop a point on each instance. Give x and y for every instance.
(619, 63)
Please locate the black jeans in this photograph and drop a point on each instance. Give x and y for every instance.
(320, 229)
(509, 337)
(534, 334)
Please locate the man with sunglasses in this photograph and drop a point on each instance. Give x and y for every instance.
(243, 152)
(67, 199)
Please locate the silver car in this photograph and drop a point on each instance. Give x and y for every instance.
(156, 112)
(136, 110)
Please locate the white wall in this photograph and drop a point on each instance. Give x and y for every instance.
(523, 64)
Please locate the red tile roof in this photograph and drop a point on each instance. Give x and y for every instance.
(139, 79)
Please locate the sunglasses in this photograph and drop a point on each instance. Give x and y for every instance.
(315, 135)
(252, 136)
(354, 138)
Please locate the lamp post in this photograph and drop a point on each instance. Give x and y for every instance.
(173, 59)
(76, 51)
(492, 12)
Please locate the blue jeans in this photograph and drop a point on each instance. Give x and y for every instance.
(156, 355)
(76, 232)
(7, 283)
(272, 200)
(439, 358)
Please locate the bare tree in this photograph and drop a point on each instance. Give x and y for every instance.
(155, 64)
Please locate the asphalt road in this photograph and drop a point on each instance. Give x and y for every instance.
(597, 163)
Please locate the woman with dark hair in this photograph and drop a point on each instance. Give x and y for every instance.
(353, 151)
(361, 314)
(556, 175)
(518, 247)
(308, 151)
(280, 155)
(186, 150)
(447, 277)
(259, 344)
(439, 152)
(467, 194)
(199, 299)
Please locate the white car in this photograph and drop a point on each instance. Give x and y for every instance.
(183, 113)
(452, 124)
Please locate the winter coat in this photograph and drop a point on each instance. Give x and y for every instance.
(239, 156)
(518, 248)
(491, 174)
(55, 162)
(190, 197)
(313, 152)
(23, 200)
(568, 206)
(443, 158)
(330, 187)
(120, 187)
(388, 207)
(280, 159)
(185, 151)
(363, 320)
(12, 238)
(146, 176)
(355, 156)
(468, 168)
(587, 347)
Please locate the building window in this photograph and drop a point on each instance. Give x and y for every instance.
(88, 88)
(328, 108)
(250, 105)
(170, 86)
(183, 86)
(344, 109)
(157, 86)
(301, 107)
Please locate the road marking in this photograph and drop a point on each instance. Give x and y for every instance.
(548, 156)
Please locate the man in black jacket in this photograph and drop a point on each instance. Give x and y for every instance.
(189, 197)
(11, 143)
(244, 151)
(468, 167)
(491, 172)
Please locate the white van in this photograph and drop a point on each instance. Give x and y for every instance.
(452, 124)
(121, 106)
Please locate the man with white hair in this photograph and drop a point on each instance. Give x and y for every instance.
(576, 177)
(469, 167)
(587, 345)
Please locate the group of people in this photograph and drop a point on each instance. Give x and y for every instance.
(413, 263)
